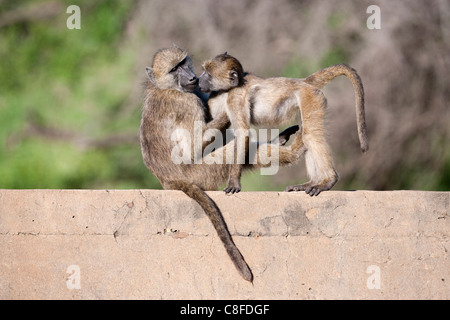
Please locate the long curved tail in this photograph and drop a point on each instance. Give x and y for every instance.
(320, 78)
(214, 214)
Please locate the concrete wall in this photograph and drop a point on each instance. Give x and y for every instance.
(150, 244)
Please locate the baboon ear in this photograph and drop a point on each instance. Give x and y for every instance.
(234, 78)
(149, 72)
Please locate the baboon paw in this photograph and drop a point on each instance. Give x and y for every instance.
(299, 187)
(232, 189)
(313, 190)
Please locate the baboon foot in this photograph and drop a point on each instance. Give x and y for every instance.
(233, 187)
(310, 188)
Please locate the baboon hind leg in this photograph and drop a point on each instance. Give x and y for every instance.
(319, 164)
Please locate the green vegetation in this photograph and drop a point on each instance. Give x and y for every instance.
(61, 91)
(67, 119)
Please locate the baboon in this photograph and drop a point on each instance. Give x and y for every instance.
(249, 99)
(171, 104)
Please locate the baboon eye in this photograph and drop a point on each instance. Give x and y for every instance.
(178, 65)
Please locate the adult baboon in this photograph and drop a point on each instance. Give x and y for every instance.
(171, 107)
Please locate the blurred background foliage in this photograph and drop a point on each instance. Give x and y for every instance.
(71, 100)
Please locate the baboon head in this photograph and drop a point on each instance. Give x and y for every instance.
(221, 73)
(172, 68)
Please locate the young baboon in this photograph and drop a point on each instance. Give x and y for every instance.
(170, 105)
(248, 99)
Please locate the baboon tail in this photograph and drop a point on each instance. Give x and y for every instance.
(214, 214)
(320, 78)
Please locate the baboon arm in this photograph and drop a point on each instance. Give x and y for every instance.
(220, 123)
(237, 106)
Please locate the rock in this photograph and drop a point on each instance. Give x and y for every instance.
(152, 244)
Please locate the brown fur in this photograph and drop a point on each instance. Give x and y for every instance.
(168, 107)
(248, 99)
